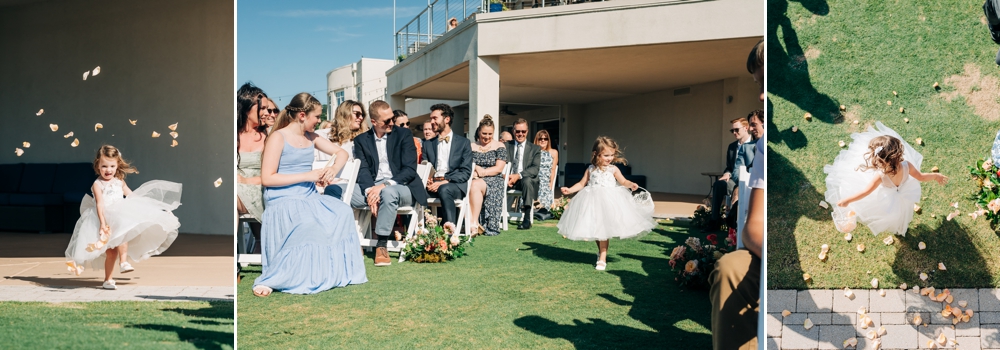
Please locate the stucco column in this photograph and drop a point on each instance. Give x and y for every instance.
(484, 91)
(398, 102)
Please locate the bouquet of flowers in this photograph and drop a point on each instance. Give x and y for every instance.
(694, 261)
(435, 243)
(987, 177)
(702, 216)
(559, 207)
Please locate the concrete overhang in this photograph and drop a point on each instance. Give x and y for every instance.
(588, 52)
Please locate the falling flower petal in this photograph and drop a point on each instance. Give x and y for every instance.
(953, 215)
(843, 108)
(888, 240)
(862, 310)
(903, 286)
(941, 266)
(881, 292)
(18, 151)
(173, 134)
(26, 144)
(785, 313)
(824, 205)
(936, 86)
(966, 318)
(851, 342)
(848, 293)
(96, 71)
(795, 128)
(933, 216)
(917, 319)
(955, 205)
(218, 182)
(861, 247)
(808, 324)
(156, 134)
(98, 126)
(807, 277)
(40, 111)
(949, 299)
(894, 93)
(881, 331)
(848, 236)
(872, 334)
(174, 143)
(916, 208)
(923, 276)
(935, 169)
(874, 282)
(931, 344)
(927, 291)
(963, 303)
(969, 312)
(865, 322)
(76, 142)
(921, 246)
(888, 103)
(172, 127)
(901, 110)
(70, 134)
(916, 289)
(130, 121)
(906, 120)
(54, 127)
(808, 116)
(841, 143)
(855, 122)
(86, 74)
(876, 344)
(942, 339)
(920, 141)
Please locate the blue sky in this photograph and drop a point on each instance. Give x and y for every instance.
(287, 47)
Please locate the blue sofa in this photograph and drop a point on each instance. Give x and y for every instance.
(43, 197)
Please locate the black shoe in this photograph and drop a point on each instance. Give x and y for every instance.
(525, 225)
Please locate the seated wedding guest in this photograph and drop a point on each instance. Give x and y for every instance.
(388, 177)
(451, 156)
(525, 162)
(309, 240)
(348, 123)
(429, 132)
(546, 170)
(250, 135)
(403, 121)
(740, 153)
(506, 137)
(489, 158)
(735, 292)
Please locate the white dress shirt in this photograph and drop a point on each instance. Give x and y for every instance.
(757, 173)
(384, 172)
(443, 153)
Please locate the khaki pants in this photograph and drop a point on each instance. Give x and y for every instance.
(735, 301)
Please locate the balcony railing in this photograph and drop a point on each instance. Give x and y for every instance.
(432, 23)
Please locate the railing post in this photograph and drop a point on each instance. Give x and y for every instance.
(447, 11)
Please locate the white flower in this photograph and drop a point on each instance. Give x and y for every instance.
(455, 240)
(988, 165)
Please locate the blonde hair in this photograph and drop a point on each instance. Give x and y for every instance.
(604, 143)
(302, 102)
(885, 153)
(110, 152)
(340, 131)
(548, 145)
(487, 121)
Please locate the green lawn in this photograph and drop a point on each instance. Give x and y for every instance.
(521, 289)
(106, 325)
(855, 54)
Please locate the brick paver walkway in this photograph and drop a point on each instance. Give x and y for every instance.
(835, 319)
(57, 294)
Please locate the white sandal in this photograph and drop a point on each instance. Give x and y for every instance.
(601, 265)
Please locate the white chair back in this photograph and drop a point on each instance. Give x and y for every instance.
(423, 171)
(555, 175)
(351, 172)
(744, 204)
(505, 216)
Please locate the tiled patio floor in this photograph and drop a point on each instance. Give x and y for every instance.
(835, 319)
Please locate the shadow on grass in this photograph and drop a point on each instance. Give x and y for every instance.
(673, 314)
(946, 243)
(788, 69)
(551, 252)
(216, 309)
(790, 197)
(202, 339)
(69, 283)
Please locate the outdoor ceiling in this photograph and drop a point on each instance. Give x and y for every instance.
(584, 76)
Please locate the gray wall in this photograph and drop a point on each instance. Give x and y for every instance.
(162, 63)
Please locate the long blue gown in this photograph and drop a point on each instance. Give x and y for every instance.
(309, 242)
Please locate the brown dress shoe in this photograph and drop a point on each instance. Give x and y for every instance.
(382, 257)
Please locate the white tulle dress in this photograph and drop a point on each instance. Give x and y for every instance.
(143, 219)
(890, 207)
(604, 209)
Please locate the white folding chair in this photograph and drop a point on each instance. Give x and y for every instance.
(517, 196)
(464, 224)
(363, 217)
(744, 204)
(245, 259)
(505, 214)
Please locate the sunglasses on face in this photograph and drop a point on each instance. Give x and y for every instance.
(405, 125)
(520, 131)
(359, 115)
(543, 139)
(735, 131)
(274, 110)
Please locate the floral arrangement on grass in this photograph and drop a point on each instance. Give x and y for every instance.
(702, 216)
(558, 207)
(694, 261)
(987, 177)
(435, 243)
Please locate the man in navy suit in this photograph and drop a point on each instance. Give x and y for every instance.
(388, 177)
(451, 156)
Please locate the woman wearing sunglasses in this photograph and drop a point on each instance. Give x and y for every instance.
(546, 174)
(348, 123)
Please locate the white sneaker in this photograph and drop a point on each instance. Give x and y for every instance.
(126, 267)
(110, 284)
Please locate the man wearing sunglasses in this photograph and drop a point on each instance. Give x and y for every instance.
(526, 158)
(739, 153)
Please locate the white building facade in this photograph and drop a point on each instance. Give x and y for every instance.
(363, 81)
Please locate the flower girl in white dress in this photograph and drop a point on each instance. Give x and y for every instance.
(878, 177)
(118, 222)
(603, 209)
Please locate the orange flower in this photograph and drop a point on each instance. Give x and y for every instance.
(691, 266)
